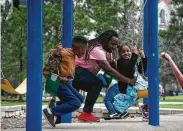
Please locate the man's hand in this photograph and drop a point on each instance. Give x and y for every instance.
(132, 81)
(104, 64)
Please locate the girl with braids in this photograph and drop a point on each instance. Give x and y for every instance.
(89, 65)
(128, 66)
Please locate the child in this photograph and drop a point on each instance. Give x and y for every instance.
(112, 91)
(61, 62)
(127, 65)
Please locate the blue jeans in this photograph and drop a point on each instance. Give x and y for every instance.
(70, 98)
(109, 98)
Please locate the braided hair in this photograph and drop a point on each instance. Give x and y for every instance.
(101, 40)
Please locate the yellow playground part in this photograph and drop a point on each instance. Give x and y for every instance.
(7, 87)
(142, 93)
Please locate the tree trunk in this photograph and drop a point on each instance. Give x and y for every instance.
(164, 87)
(21, 68)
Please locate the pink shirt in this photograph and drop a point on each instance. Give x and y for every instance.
(96, 54)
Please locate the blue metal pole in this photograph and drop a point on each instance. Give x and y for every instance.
(34, 65)
(67, 33)
(67, 27)
(153, 62)
(145, 38)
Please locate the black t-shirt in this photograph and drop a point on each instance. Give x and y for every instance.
(127, 67)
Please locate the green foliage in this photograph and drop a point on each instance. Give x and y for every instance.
(98, 16)
(89, 16)
(13, 50)
(172, 42)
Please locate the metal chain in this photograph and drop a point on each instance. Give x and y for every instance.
(61, 22)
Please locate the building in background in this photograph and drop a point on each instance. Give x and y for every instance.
(165, 7)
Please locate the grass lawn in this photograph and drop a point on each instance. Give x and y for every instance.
(175, 106)
(14, 103)
(173, 99)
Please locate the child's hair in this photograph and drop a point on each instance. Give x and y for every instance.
(121, 46)
(80, 39)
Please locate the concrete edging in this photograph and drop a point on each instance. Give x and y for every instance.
(12, 111)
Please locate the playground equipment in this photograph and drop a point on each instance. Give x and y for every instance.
(175, 69)
(7, 87)
(34, 60)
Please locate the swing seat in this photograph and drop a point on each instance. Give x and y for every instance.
(7, 87)
(142, 93)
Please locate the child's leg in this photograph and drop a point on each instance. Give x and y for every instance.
(75, 92)
(70, 101)
(70, 104)
(52, 101)
(108, 100)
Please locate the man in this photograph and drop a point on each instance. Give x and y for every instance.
(88, 66)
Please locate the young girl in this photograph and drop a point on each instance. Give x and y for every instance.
(113, 89)
(128, 66)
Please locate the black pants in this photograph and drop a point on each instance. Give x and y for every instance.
(88, 82)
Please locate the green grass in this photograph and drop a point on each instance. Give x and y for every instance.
(175, 106)
(14, 103)
(171, 99)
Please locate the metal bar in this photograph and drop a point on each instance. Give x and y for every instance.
(145, 37)
(67, 23)
(67, 29)
(34, 65)
(153, 74)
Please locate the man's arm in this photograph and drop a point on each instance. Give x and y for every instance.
(104, 64)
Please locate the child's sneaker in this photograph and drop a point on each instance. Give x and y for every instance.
(124, 115)
(58, 120)
(144, 110)
(112, 116)
(145, 118)
(49, 116)
(88, 117)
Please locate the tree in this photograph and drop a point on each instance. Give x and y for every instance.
(98, 16)
(172, 42)
(52, 24)
(89, 16)
(13, 41)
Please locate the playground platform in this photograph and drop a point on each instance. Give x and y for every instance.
(173, 122)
